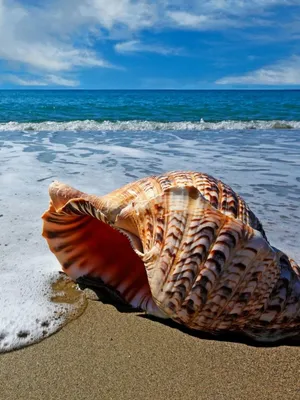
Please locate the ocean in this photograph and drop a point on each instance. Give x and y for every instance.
(148, 110)
(100, 140)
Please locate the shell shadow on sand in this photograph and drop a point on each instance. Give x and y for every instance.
(107, 295)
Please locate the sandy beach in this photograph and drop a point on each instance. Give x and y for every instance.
(107, 354)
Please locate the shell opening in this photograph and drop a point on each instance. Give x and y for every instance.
(86, 246)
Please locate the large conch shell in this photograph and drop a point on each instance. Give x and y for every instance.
(181, 245)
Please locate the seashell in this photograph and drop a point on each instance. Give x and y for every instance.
(182, 245)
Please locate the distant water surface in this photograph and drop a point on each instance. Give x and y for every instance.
(160, 106)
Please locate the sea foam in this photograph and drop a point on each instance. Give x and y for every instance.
(135, 125)
(29, 272)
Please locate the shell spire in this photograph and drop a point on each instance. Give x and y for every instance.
(182, 245)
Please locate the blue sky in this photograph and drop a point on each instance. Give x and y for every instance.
(163, 44)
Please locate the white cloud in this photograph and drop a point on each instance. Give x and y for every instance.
(283, 73)
(135, 46)
(202, 21)
(41, 39)
(49, 57)
(183, 18)
(48, 80)
(58, 80)
(23, 82)
(24, 38)
(109, 13)
(221, 14)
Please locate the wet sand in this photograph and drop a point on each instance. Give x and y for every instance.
(107, 354)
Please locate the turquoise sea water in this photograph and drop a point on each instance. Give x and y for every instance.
(178, 109)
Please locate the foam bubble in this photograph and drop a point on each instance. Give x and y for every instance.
(31, 316)
(91, 125)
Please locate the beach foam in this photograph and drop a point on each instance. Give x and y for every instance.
(28, 270)
(91, 125)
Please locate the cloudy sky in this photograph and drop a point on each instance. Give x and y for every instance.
(140, 44)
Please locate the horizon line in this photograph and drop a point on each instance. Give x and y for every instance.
(156, 89)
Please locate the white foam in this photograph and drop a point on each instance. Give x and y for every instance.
(27, 268)
(91, 125)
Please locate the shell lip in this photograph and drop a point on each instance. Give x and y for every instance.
(71, 227)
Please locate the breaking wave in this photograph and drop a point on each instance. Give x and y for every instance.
(92, 125)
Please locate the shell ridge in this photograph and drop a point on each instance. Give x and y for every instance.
(188, 218)
(200, 204)
(224, 220)
(220, 195)
(214, 284)
(239, 288)
(201, 265)
(172, 221)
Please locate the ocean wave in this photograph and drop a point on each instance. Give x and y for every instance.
(135, 125)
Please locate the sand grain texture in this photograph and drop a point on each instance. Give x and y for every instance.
(106, 354)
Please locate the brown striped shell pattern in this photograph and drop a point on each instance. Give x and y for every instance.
(182, 245)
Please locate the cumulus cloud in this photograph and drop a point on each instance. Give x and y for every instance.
(48, 57)
(135, 46)
(285, 72)
(41, 38)
(23, 41)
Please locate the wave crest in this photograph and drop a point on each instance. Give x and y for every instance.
(92, 125)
